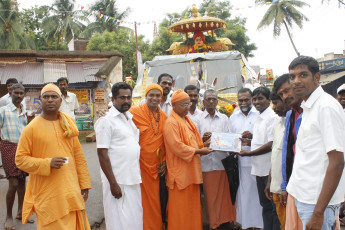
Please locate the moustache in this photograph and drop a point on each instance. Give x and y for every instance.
(288, 99)
(123, 105)
(18, 99)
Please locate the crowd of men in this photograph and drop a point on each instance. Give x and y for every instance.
(156, 161)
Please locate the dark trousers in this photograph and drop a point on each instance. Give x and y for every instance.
(269, 214)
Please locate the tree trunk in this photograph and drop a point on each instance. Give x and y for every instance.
(293, 44)
(58, 42)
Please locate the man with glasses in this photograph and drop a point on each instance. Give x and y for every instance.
(118, 152)
(219, 209)
(184, 147)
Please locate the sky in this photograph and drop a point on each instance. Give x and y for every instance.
(323, 33)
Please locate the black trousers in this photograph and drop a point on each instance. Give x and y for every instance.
(269, 214)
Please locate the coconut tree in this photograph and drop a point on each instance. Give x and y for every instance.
(12, 33)
(100, 25)
(64, 24)
(284, 12)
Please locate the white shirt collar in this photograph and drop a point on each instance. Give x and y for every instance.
(265, 113)
(114, 112)
(168, 100)
(205, 114)
(312, 98)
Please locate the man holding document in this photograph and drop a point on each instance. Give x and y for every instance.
(219, 209)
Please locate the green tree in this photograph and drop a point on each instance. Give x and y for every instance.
(283, 12)
(12, 32)
(108, 8)
(235, 31)
(124, 42)
(64, 24)
(32, 20)
(163, 42)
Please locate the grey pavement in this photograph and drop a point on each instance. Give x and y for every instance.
(94, 205)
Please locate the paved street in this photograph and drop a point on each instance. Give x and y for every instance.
(94, 206)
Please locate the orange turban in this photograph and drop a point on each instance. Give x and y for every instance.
(51, 87)
(153, 86)
(199, 34)
(179, 95)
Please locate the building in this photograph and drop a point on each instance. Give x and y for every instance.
(332, 69)
(89, 74)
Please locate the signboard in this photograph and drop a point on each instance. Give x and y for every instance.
(332, 65)
(32, 100)
(82, 94)
(99, 96)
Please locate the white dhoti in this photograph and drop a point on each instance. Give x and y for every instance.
(124, 213)
(248, 208)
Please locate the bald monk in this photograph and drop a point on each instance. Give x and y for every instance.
(150, 120)
(59, 179)
(184, 147)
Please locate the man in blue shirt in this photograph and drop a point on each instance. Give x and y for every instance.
(292, 123)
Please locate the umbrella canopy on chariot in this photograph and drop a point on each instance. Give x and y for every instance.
(200, 59)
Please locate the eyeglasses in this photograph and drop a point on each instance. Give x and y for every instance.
(211, 99)
(186, 104)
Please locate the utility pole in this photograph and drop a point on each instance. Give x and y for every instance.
(136, 47)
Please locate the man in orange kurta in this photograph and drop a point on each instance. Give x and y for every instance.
(59, 180)
(150, 119)
(184, 147)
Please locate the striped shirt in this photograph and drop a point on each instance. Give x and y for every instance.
(12, 122)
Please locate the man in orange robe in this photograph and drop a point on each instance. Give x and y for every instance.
(59, 180)
(150, 119)
(184, 147)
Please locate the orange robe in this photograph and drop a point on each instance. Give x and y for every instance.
(150, 143)
(53, 194)
(184, 175)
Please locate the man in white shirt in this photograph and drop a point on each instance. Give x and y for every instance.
(273, 189)
(247, 202)
(317, 180)
(341, 95)
(219, 209)
(261, 146)
(118, 151)
(7, 99)
(69, 100)
(193, 93)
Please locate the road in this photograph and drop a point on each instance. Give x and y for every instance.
(94, 205)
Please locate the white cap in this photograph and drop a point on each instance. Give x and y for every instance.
(341, 88)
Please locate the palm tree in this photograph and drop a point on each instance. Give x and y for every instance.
(108, 8)
(64, 24)
(12, 33)
(283, 12)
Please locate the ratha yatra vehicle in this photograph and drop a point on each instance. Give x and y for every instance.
(205, 61)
